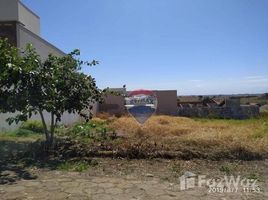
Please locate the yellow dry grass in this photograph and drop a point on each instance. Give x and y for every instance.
(179, 132)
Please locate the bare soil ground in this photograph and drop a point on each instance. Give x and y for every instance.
(135, 179)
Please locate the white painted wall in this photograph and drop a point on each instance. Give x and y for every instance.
(4, 125)
(67, 119)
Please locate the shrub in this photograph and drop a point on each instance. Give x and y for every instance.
(23, 133)
(32, 125)
(97, 129)
(81, 129)
(264, 114)
(73, 166)
(226, 169)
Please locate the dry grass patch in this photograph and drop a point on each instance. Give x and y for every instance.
(246, 139)
(155, 126)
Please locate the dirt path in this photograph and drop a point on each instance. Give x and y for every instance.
(133, 179)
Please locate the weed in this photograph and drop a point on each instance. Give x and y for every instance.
(177, 169)
(77, 166)
(226, 169)
(32, 125)
(263, 132)
(96, 129)
(165, 179)
(20, 134)
(254, 176)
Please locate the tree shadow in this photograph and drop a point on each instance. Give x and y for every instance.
(11, 170)
(17, 158)
(10, 173)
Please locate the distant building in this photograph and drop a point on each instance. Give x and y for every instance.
(114, 104)
(217, 107)
(22, 26)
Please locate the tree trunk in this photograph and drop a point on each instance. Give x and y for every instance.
(44, 125)
(52, 128)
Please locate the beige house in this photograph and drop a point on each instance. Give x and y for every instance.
(166, 102)
(21, 26)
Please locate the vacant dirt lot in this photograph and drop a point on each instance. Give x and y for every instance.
(185, 138)
(139, 162)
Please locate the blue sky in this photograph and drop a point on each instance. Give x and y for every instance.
(193, 46)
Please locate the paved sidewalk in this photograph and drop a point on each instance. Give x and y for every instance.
(69, 185)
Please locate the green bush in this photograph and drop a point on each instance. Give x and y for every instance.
(93, 129)
(84, 129)
(78, 166)
(23, 133)
(32, 125)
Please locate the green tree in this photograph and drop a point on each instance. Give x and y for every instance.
(30, 86)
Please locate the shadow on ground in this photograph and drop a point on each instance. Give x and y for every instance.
(15, 161)
(10, 168)
(18, 159)
(10, 173)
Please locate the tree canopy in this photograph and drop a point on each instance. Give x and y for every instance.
(30, 85)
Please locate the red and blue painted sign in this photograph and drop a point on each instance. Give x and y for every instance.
(141, 104)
